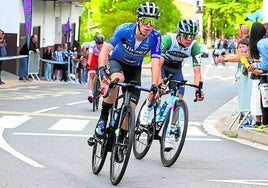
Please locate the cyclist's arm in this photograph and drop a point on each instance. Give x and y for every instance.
(155, 59)
(104, 54)
(196, 59)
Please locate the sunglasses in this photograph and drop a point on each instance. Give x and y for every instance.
(188, 37)
(147, 20)
(99, 42)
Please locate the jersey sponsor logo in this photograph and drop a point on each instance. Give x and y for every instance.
(177, 54)
(131, 50)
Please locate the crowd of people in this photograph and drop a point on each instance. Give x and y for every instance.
(253, 91)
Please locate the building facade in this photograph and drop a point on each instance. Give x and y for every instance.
(49, 18)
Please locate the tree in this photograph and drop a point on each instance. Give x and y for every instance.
(112, 13)
(223, 17)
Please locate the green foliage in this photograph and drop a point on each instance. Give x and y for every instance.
(227, 15)
(112, 13)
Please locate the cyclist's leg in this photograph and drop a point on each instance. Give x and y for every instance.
(91, 74)
(115, 70)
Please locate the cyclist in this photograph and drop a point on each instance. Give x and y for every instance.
(94, 49)
(128, 46)
(176, 47)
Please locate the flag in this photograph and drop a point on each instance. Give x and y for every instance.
(27, 6)
(67, 31)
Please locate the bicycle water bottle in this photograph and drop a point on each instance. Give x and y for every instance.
(114, 119)
(160, 112)
(164, 114)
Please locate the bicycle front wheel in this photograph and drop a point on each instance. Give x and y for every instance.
(144, 136)
(173, 137)
(122, 147)
(99, 155)
(96, 93)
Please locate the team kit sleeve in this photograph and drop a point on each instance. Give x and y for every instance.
(117, 35)
(156, 48)
(165, 44)
(196, 54)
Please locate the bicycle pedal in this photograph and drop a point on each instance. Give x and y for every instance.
(91, 141)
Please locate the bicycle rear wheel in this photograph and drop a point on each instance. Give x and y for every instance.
(144, 136)
(175, 138)
(122, 145)
(96, 92)
(99, 155)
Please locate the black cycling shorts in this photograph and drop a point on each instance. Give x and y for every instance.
(130, 73)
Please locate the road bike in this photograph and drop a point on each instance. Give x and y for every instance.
(168, 120)
(118, 135)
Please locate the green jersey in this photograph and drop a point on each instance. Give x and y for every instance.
(174, 52)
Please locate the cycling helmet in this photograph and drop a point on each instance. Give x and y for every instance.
(187, 26)
(99, 38)
(148, 9)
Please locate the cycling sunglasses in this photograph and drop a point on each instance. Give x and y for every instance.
(188, 37)
(146, 20)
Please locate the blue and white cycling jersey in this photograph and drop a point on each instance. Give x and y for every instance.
(124, 41)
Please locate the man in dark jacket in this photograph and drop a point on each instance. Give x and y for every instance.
(23, 71)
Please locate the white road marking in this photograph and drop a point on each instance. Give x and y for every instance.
(70, 125)
(5, 146)
(194, 131)
(75, 103)
(7, 121)
(87, 136)
(45, 110)
(51, 134)
(247, 182)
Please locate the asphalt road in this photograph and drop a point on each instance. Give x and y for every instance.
(44, 131)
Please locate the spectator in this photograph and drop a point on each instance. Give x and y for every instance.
(81, 59)
(48, 70)
(258, 50)
(23, 71)
(3, 52)
(58, 55)
(65, 72)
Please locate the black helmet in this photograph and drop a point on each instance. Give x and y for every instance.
(148, 9)
(187, 26)
(99, 39)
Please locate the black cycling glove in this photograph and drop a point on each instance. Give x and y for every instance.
(102, 72)
(154, 88)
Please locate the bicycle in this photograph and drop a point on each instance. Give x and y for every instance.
(172, 120)
(116, 139)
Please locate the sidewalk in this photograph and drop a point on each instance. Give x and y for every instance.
(220, 121)
(216, 123)
(12, 80)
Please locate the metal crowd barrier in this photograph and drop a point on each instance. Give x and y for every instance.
(33, 65)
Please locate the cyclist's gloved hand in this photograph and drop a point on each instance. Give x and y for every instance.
(154, 88)
(102, 72)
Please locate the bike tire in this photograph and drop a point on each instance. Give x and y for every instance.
(144, 136)
(168, 158)
(99, 154)
(96, 93)
(117, 169)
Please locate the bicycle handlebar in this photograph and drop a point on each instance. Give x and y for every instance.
(184, 82)
(131, 84)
